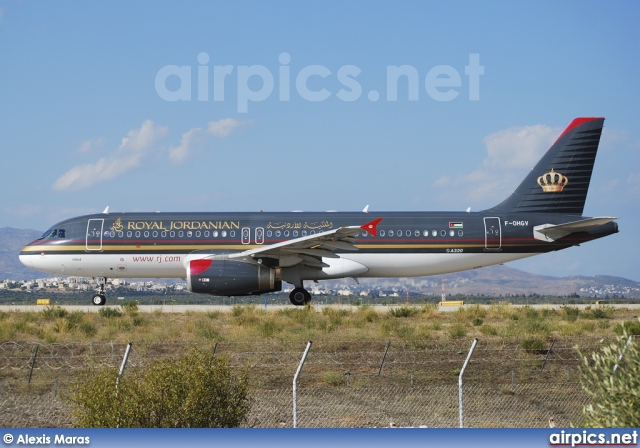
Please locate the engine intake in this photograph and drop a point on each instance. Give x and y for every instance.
(230, 278)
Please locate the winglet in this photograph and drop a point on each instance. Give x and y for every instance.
(106, 211)
(372, 226)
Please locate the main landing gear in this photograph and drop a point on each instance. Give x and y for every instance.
(100, 299)
(300, 297)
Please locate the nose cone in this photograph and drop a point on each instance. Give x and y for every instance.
(31, 257)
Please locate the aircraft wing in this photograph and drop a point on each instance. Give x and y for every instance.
(552, 232)
(309, 250)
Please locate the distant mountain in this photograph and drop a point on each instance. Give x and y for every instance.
(493, 280)
(11, 241)
(502, 280)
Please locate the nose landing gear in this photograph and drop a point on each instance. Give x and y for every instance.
(100, 298)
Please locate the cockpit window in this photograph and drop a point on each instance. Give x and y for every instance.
(54, 233)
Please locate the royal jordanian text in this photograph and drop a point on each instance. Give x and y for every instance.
(182, 225)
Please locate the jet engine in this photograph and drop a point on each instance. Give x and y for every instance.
(230, 278)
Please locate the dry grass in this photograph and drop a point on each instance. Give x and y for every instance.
(249, 323)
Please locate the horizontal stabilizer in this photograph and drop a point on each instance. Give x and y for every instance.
(553, 232)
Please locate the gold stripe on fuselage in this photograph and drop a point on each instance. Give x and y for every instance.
(192, 247)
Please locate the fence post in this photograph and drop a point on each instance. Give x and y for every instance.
(33, 364)
(383, 358)
(295, 385)
(460, 403)
(548, 353)
(124, 363)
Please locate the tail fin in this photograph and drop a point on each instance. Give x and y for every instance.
(560, 181)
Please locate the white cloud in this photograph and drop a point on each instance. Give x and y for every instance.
(134, 146)
(179, 153)
(224, 127)
(510, 153)
(195, 137)
(91, 145)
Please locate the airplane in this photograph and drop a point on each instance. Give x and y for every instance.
(250, 253)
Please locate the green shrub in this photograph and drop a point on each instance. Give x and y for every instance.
(614, 395)
(457, 331)
(570, 313)
(196, 390)
(129, 307)
(630, 327)
(403, 311)
(54, 312)
(601, 312)
(109, 312)
(533, 345)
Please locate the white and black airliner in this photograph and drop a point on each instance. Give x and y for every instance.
(233, 254)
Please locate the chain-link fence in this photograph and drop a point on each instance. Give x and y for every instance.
(343, 383)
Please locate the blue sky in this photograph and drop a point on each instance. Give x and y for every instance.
(241, 106)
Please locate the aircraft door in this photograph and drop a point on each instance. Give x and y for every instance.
(259, 235)
(492, 234)
(94, 234)
(246, 235)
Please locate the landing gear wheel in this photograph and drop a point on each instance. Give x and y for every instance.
(98, 300)
(300, 297)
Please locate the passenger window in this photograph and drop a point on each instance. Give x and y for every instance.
(408, 233)
(460, 233)
(443, 233)
(434, 233)
(224, 234)
(452, 233)
(382, 233)
(426, 233)
(390, 232)
(417, 233)
(215, 234)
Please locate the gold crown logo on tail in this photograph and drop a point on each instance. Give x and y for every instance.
(553, 182)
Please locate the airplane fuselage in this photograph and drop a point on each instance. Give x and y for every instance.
(156, 245)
